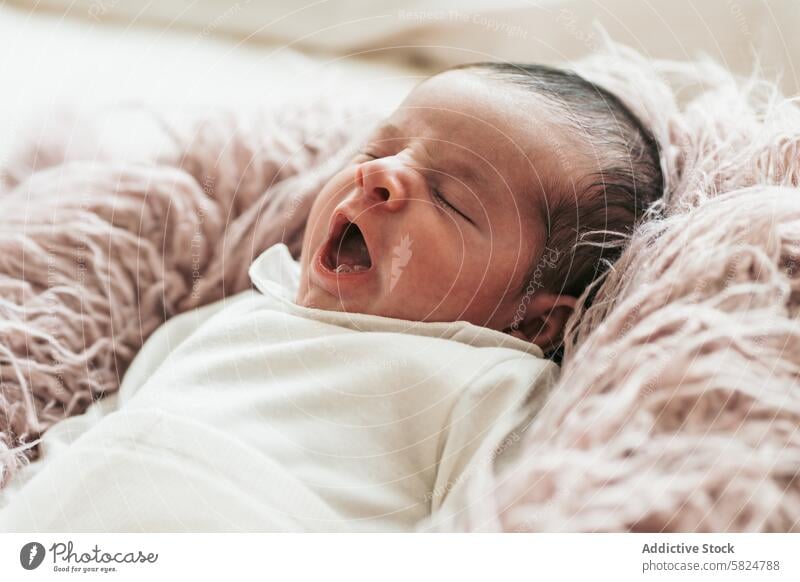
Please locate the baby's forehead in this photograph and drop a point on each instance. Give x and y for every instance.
(510, 136)
(460, 115)
(483, 115)
(452, 100)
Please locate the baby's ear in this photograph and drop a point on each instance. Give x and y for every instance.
(544, 319)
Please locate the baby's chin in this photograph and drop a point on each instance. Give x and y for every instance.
(376, 303)
(332, 298)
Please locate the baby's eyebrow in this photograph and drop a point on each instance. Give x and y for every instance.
(465, 172)
(387, 131)
(468, 174)
(459, 169)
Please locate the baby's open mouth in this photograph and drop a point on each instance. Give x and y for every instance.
(347, 250)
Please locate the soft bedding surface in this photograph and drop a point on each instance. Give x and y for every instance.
(677, 408)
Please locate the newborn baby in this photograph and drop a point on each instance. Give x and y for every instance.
(367, 386)
(474, 200)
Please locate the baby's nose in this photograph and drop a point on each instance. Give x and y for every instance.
(387, 183)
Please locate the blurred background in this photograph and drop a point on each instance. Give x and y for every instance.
(218, 52)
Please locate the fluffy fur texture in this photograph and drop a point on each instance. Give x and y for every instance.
(677, 409)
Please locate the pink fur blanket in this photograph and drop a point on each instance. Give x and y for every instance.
(677, 408)
(113, 222)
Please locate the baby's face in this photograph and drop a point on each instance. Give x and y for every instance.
(439, 218)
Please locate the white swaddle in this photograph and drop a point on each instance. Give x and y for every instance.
(254, 413)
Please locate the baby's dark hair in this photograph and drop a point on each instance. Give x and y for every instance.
(589, 220)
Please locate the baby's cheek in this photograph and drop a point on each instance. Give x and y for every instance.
(486, 282)
(430, 270)
(458, 288)
(426, 280)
